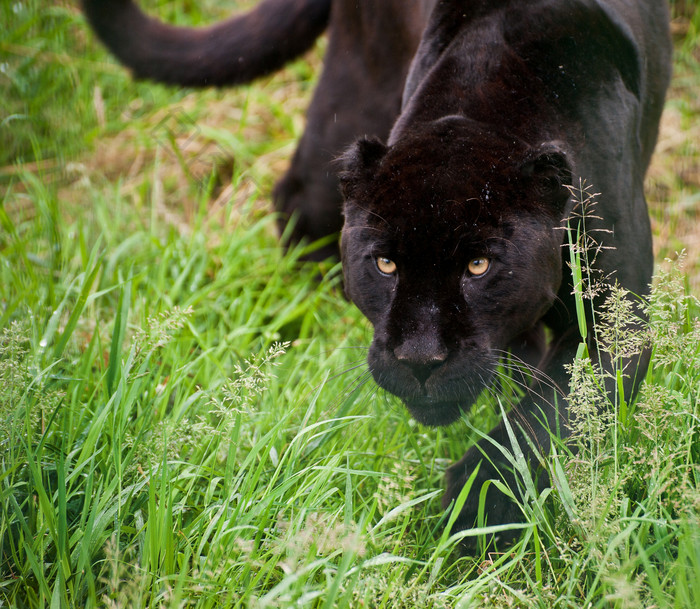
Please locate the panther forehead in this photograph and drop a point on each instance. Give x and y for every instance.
(454, 185)
(415, 216)
(443, 175)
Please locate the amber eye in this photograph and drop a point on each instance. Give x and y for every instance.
(478, 266)
(386, 266)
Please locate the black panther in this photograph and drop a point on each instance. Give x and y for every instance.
(459, 127)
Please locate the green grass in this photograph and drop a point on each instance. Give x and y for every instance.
(185, 416)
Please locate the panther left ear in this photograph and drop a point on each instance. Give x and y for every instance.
(359, 163)
(548, 171)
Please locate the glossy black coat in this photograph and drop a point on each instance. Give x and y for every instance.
(473, 117)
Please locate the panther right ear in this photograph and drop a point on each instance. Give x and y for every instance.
(359, 163)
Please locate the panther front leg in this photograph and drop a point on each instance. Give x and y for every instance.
(541, 415)
(531, 418)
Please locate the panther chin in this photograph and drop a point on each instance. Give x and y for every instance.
(434, 413)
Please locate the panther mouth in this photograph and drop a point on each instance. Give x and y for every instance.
(432, 412)
(436, 398)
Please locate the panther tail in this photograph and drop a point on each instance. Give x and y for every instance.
(231, 52)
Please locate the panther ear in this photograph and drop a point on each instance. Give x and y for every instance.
(359, 163)
(548, 172)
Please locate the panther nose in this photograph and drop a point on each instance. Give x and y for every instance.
(421, 356)
(422, 372)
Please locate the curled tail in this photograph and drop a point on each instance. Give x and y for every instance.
(231, 52)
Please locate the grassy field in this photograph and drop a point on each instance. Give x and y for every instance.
(186, 419)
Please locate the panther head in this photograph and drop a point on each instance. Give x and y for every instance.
(450, 249)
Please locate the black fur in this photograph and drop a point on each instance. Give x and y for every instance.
(229, 53)
(496, 108)
(506, 103)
